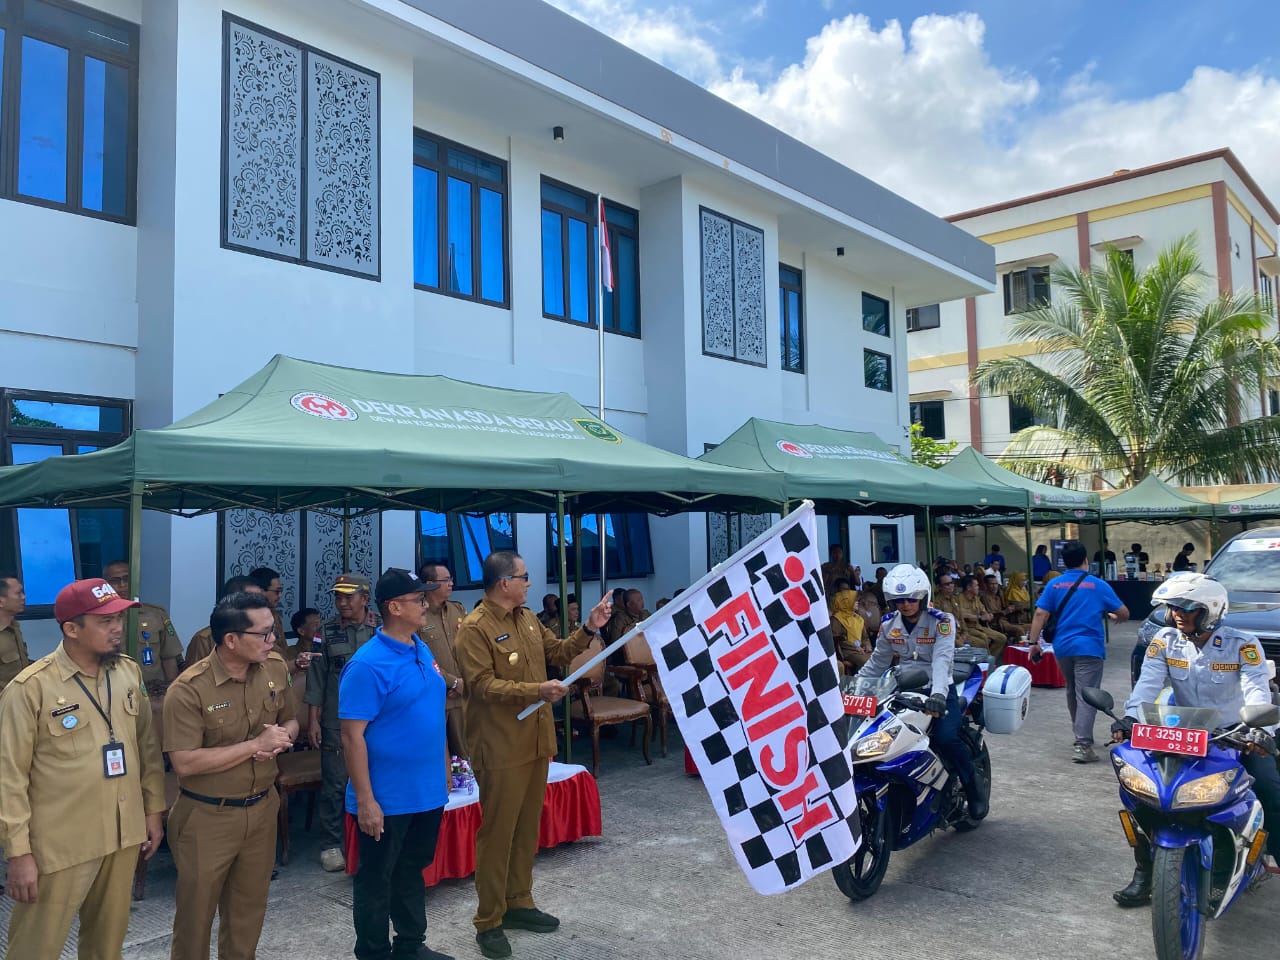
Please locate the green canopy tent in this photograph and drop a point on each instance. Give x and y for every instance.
(1262, 506)
(1153, 501)
(846, 472)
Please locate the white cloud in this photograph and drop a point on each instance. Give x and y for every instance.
(927, 113)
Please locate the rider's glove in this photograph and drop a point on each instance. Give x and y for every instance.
(1262, 740)
(1123, 726)
(936, 704)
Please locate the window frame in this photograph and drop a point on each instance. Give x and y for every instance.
(457, 559)
(1025, 413)
(613, 229)
(913, 317)
(895, 536)
(15, 27)
(593, 225)
(733, 265)
(1029, 285)
(867, 353)
(622, 533)
(1266, 293)
(784, 317)
(888, 315)
(443, 172)
(916, 413)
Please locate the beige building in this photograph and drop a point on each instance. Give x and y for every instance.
(1210, 194)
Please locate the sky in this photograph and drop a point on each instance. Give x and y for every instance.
(956, 106)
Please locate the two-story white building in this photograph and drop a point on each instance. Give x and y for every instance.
(188, 187)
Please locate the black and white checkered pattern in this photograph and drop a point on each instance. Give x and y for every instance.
(707, 710)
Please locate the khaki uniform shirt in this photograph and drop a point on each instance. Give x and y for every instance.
(155, 633)
(201, 645)
(503, 657)
(13, 653)
(972, 609)
(951, 605)
(55, 799)
(322, 676)
(438, 633)
(207, 707)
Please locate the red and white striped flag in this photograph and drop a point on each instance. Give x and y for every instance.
(606, 257)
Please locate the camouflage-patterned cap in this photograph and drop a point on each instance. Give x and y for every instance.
(350, 583)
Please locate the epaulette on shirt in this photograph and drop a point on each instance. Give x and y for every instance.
(31, 669)
(193, 671)
(887, 617)
(937, 614)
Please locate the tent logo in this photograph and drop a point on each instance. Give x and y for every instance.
(794, 449)
(594, 428)
(1233, 508)
(318, 405)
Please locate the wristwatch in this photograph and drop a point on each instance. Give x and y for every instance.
(454, 685)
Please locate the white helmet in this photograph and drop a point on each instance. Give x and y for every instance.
(1195, 591)
(906, 580)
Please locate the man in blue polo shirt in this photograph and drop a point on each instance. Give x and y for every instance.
(391, 707)
(1081, 600)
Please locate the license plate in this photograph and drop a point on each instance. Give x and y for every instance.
(859, 706)
(1180, 740)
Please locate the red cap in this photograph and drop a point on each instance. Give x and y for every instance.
(89, 596)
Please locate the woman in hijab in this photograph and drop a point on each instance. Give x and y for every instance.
(848, 629)
(1017, 598)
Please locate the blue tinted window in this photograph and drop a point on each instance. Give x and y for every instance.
(78, 27)
(460, 279)
(433, 530)
(42, 121)
(626, 543)
(462, 541)
(493, 281)
(619, 217)
(101, 539)
(565, 198)
(50, 415)
(106, 132)
(552, 265)
(425, 149)
(626, 281)
(44, 536)
(1, 70)
(426, 227)
(579, 272)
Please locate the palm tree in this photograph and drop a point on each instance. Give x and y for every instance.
(1140, 373)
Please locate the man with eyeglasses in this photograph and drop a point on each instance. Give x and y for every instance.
(443, 617)
(226, 719)
(201, 644)
(342, 637)
(159, 651)
(273, 590)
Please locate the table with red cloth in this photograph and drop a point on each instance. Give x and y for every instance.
(571, 812)
(1043, 674)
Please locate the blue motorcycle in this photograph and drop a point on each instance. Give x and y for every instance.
(1183, 787)
(904, 790)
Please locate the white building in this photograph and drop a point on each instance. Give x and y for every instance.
(188, 187)
(1210, 195)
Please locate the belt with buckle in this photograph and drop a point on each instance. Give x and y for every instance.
(225, 801)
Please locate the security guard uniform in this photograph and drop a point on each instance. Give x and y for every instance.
(339, 643)
(222, 829)
(57, 803)
(503, 657)
(13, 653)
(438, 633)
(156, 642)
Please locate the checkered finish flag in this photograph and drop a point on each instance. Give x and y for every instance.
(747, 660)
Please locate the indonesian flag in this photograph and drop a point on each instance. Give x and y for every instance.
(606, 258)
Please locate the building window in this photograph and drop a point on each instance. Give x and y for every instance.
(732, 289)
(884, 543)
(628, 551)
(877, 371)
(622, 303)
(300, 153)
(1025, 289)
(462, 541)
(931, 416)
(836, 532)
(568, 254)
(791, 311)
(50, 548)
(1265, 294)
(1021, 417)
(1273, 402)
(875, 315)
(928, 317)
(460, 240)
(68, 99)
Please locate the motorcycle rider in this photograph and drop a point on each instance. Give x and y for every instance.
(1208, 665)
(917, 631)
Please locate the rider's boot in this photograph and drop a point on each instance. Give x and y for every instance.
(1138, 892)
(978, 806)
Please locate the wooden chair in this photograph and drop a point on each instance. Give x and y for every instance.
(298, 771)
(638, 653)
(592, 711)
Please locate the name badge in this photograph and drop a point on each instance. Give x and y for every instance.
(505, 636)
(113, 760)
(148, 658)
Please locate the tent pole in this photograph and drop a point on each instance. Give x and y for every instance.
(1031, 580)
(135, 564)
(564, 616)
(577, 560)
(930, 548)
(346, 538)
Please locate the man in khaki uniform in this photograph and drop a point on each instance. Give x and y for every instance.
(976, 618)
(13, 649)
(948, 602)
(269, 581)
(342, 637)
(226, 718)
(201, 644)
(503, 651)
(443, 617)
(157, 643)
(81, 782)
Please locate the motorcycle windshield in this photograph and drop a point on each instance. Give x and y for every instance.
(881, 687)
(1170, 715)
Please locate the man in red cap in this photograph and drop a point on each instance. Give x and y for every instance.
(81, 782)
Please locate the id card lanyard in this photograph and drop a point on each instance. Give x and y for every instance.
(112, 751)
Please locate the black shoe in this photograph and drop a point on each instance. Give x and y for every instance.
(1138, 892)
(426, 953)
(978, 803)
(529, 918)
(493, 943)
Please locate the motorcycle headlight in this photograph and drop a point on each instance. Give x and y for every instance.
(1136, 782)
(875, 745)
(1204, 791)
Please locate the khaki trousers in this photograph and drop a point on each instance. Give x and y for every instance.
(507, 841)
(456, 730)
(98, 890)
(224, 857)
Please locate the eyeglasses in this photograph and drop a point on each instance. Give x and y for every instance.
(259, 633)
(897, 600)
(441, 580)
(518, 576)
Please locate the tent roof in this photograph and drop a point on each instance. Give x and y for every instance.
(308, 435)
(848, 472)
(969, 465)
(1265, 504)
(1153, 499)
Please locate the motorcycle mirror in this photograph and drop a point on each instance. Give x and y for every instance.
(912, 676)
(1260, 715)
(1099, 699)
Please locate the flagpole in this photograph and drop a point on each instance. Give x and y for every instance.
(601, 240)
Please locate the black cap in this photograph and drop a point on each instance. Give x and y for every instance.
(396, 583)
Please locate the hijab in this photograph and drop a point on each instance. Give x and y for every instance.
(1017, 591)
